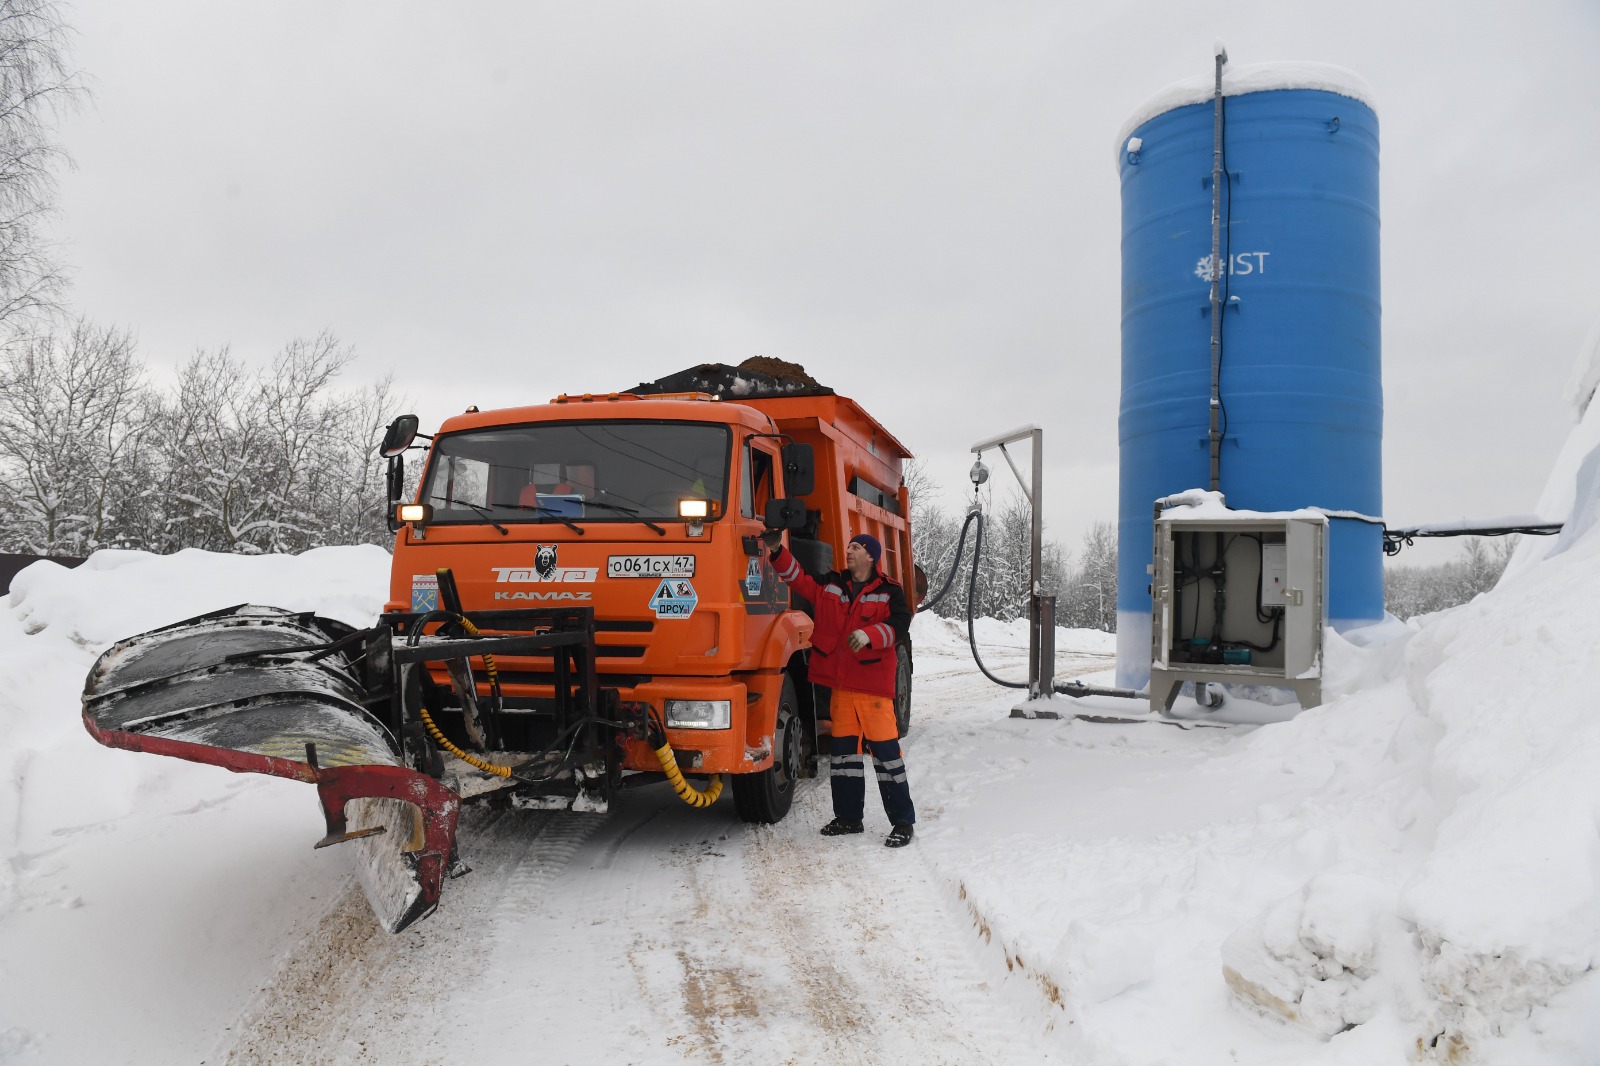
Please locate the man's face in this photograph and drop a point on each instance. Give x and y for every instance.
(856, 558)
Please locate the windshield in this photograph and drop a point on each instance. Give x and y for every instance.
(577, 471)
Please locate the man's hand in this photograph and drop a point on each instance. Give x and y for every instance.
(772, 538)
(858, 640)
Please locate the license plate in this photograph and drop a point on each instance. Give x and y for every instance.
(650, 566)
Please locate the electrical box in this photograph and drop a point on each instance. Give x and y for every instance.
(1238, 598)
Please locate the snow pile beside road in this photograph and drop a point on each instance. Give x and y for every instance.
(142, 899)
(1466, 898)
(115, 594)
(1575, 476)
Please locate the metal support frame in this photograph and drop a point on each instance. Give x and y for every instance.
(1041, 660)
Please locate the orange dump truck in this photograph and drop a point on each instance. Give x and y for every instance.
(579, 603)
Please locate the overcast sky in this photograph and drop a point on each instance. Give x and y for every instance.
(917, 201)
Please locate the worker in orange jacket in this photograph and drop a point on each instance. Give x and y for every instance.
(860, 615)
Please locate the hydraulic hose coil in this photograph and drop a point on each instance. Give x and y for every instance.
(443, 741)
(687, 792)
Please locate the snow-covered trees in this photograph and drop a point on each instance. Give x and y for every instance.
(227, 459)
(1086, 593)
(74, 437)
(1412, 590)
(1090, 599)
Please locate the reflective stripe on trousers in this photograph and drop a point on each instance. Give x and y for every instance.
(848, 779)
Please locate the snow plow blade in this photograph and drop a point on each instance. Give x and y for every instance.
(268, 691)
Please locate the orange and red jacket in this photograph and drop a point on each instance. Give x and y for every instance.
(879, 610)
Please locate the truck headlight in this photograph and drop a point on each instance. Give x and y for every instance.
(699, 714)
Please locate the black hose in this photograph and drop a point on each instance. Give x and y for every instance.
(972, 607)
(955, 567)
(1069, 688)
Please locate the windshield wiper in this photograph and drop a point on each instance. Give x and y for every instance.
(550, 512)
(487, 517)
(630, 511)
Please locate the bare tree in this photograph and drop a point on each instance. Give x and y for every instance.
(258, 462)
(356, 505)
(37, 86)
(1090, 600)
(211, 435)
(304, 423)
(75, 420)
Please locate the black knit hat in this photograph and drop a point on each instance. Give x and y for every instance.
(869, 542)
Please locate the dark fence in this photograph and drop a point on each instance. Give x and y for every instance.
(11, 564)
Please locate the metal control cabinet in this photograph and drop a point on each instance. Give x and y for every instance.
(1238, 601)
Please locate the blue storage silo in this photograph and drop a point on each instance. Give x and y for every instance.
(1300, 379)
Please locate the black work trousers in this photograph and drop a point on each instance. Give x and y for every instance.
(848, 778)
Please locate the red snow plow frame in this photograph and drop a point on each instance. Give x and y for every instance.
(293, 695)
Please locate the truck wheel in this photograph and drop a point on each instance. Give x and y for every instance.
(902, 689)
(766, 796)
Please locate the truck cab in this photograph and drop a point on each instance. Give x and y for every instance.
(647, 508)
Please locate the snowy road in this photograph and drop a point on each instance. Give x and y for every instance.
(660, 933)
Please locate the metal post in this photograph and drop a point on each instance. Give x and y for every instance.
(1038, 682)
(1047, 643)
(1041, 667)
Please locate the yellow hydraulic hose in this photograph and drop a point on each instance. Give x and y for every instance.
(444, 742)
(466, 757)
(687, 792)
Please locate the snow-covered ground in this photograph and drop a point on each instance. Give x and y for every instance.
(1410, 872)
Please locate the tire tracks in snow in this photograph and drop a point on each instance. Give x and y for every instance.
(347, 987)
(657, 934)
(891, 975)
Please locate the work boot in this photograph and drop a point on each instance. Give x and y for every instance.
(839, 828)
(899, 837)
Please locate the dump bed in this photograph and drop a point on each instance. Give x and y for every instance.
(860, 465)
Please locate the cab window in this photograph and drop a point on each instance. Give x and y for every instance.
(757, 487)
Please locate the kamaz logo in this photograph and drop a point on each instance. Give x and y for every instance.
(546, 597)
(532, 575)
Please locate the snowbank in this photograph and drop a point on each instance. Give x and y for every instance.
(110, 873)
(1574, 480)
(1410, 872)
(1469, 906)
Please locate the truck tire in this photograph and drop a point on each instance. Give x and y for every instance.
(765, 797)
(902, 689)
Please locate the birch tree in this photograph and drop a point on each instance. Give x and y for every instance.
(75, 420)
(1089, 596)
(37, 86)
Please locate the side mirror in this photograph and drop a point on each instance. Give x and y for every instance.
(398, 437)
(394, 484)
(395, 477)
(799, 469)
(785, 514)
